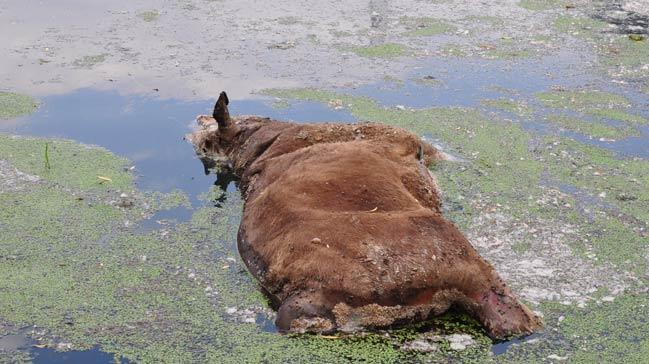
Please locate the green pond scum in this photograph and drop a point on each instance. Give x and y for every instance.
(149, 15)
(617, 53)
(425, 27)
(509, 105)
(13, 105)
(537, 5)
(594, 128)
(385, 50)
(89, 61)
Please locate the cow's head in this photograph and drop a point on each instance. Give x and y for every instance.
(220, 136)
(213, 140)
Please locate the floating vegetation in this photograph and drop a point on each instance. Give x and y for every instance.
(89, 61)
(425, 27)
(149, 15)
(385, 50)
(508, 105)
(540, 4)
(595, 129)
(13, 105)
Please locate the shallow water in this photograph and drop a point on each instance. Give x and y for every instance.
(93, 356)
(149, 131)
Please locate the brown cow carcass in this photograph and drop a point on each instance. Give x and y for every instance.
(342, 226)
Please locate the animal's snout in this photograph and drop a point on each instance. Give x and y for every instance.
(206, 122)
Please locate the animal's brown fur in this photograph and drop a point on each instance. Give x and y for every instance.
(342, 227)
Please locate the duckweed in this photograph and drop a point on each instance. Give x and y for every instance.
(385, 50)
(149, 15)
(540, 4)
(508, 105)
(594, 129)
(71, 165)
(13, 105)
(89, 61)
(426, 26)
(582, 99)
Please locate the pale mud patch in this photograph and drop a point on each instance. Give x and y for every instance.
(430, 342)
(263, 317)
(547, 269)
(637, 6)
(13, 180)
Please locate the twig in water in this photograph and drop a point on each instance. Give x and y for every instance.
(47, 156)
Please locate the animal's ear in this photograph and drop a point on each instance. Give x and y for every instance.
(221, 113)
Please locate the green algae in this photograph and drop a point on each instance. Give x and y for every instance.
(628, 244)
(610, 332)
(620, 115)
(212, 194)
(506, 53)
(628, 53)
(601, 332)
(537, 5)
(425, 27)
(602, 173)
(71, 165)
(591, 128)
(512, 106)
(603, 105)
(89, 61)
(280, 104)
(521, 247)
(169, 200)
(585, 28)
(582, 99)
(453, 50)
(622, 184)
(149, 15)
(385, 50)
(13, 105)
(619, 53)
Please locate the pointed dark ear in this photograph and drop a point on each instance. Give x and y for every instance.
(221, 113)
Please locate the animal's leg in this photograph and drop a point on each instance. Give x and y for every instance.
(502, 314)
(305, 312)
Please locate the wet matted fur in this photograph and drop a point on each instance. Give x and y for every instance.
(342, 226)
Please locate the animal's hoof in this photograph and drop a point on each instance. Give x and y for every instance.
(504, 316)
(306, 312)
